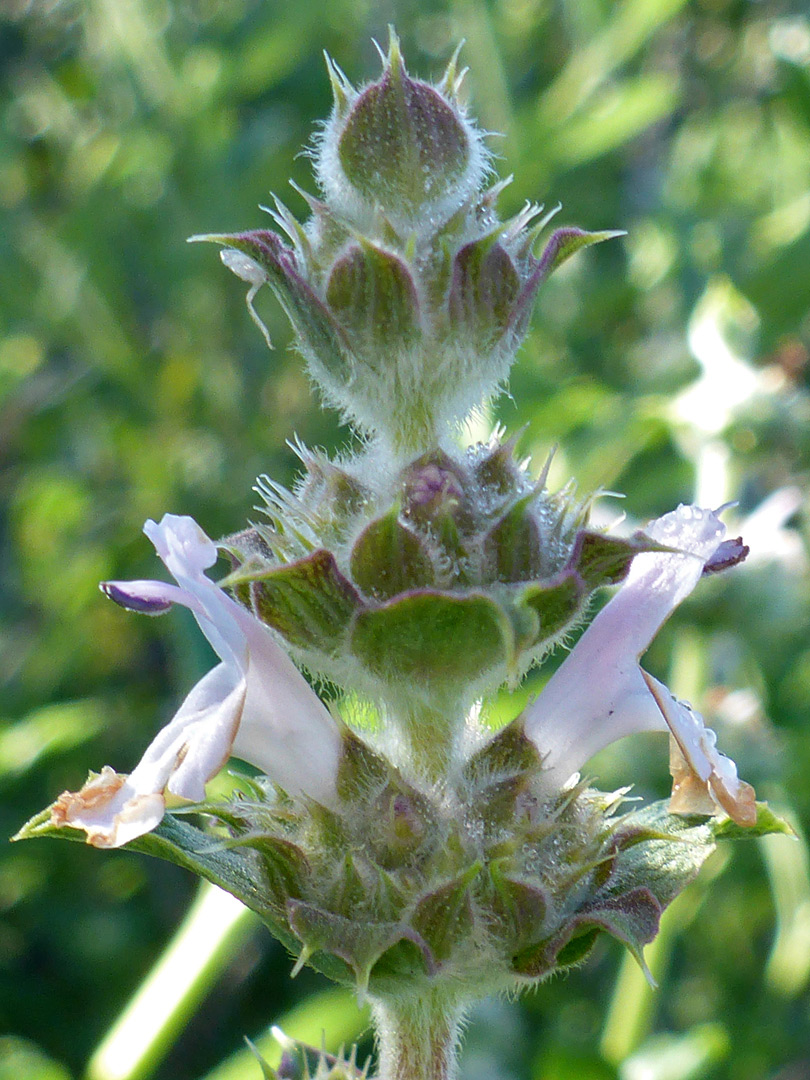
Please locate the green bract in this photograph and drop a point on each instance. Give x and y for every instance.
(404, 285)
(397, 890)
(451, 577)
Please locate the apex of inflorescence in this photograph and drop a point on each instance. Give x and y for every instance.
(407, 294)
(399, 145)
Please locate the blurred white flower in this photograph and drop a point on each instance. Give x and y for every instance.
(770, 538)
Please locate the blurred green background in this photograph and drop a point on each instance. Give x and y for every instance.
(670, 365)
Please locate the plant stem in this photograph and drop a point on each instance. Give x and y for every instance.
(418, 1037)
(431, 734)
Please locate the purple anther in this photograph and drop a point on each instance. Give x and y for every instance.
(728, 553)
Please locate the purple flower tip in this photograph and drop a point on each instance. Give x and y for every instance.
(134, 599)
(433, 482)
(288, 1067)
(727, 554)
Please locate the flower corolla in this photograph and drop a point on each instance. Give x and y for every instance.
(254, 704)
(600, 693)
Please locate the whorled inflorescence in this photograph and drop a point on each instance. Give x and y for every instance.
(430, 585)
(419, 855)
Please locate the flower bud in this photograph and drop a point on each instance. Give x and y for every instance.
(436, 498)
(456, 577)
(513, 548)
(407, 295)
(485, 286)
(400, 145)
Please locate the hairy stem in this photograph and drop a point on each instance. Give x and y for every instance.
(432, 734)
(418, 1037)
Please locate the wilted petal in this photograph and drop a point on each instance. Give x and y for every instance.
(701, 775)
(192, 748)
(108, 810)
(599, 693)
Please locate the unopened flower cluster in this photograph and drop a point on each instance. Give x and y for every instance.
(421, 849)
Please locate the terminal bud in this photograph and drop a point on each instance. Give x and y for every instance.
(400, 145)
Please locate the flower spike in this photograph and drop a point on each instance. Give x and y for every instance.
(405, 847)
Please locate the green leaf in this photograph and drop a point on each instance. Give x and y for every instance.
(444, 916)
(665, 851)
(285, 864)
(577, 949)
(509, 753)
(373, 296)
(768, 823)
(520, 908)
(512, 549)
(185, 845)
(605, 560)
(359, 943)
(659, 850)
(360, 768)
(555, 603)
(209, 857)
(562, 244)
(484, 288)
(631, 918)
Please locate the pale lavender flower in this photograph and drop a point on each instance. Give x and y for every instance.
(600, 694)
(254, 705)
